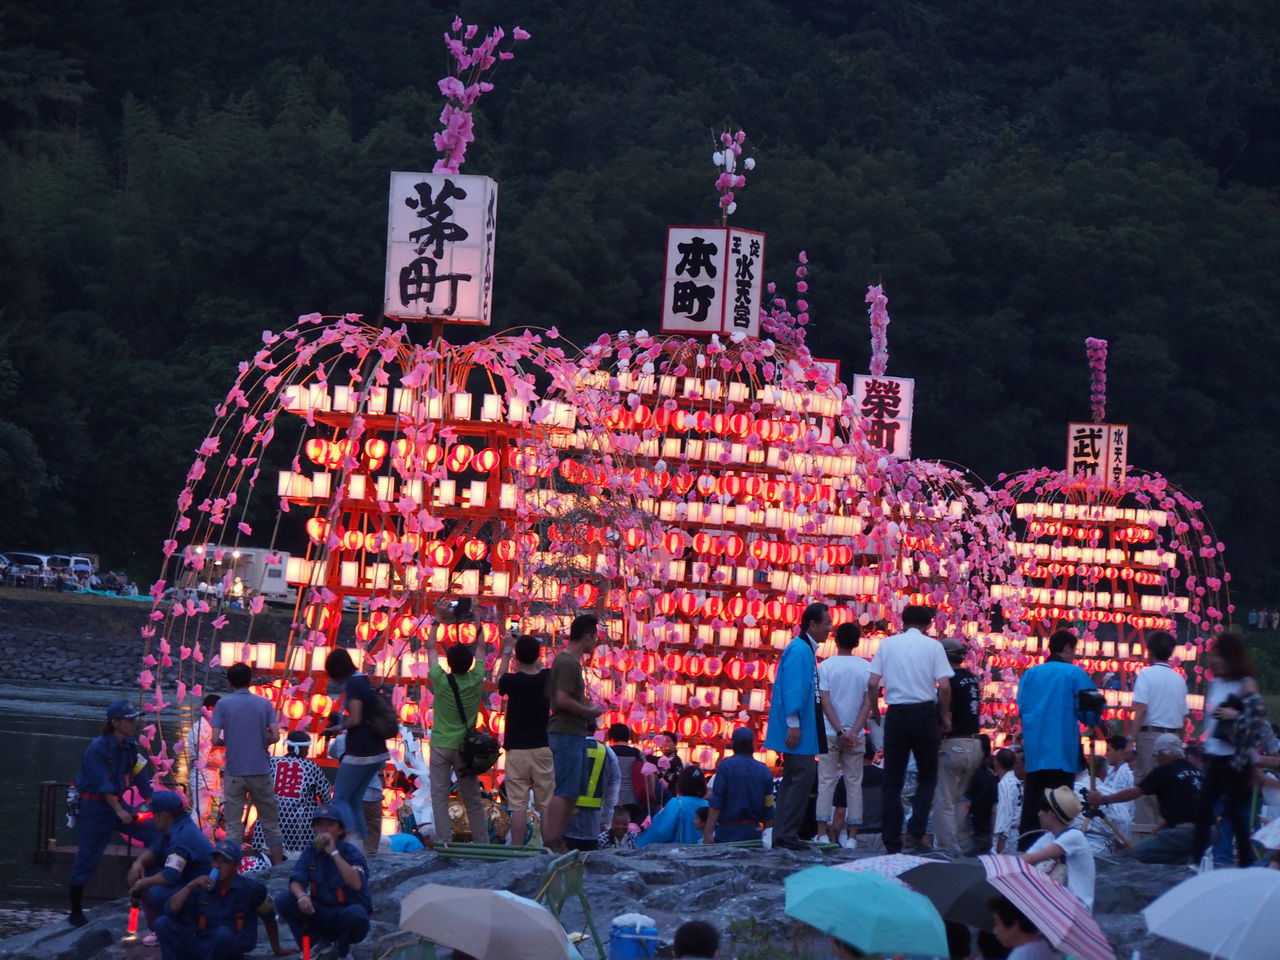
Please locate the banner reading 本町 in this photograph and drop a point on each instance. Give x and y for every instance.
(440, 234)
(714, 281)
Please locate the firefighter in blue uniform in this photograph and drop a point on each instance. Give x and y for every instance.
(328, 896)
(179, 855)
(110, 767)
(216, 917)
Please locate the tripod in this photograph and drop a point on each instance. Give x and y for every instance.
(1093, 814)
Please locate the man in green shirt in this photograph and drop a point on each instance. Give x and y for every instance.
(573, 718)
(449, 726)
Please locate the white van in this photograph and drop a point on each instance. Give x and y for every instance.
(74, 563)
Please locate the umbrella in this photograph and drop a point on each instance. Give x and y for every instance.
(1061, 917)
(958, 890)
(488, 924)
(1228, 913)
(867, 911)
(889, 865)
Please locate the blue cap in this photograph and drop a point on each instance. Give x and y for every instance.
(327, 811)
(166, 801)
(228, 849)
(122, 710)
(743, 735)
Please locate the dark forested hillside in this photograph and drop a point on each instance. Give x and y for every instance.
(176, 177)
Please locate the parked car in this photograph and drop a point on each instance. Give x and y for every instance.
(73, 563)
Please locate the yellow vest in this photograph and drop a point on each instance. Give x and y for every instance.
(593, 797)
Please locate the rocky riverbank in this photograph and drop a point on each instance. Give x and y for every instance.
(738, 890)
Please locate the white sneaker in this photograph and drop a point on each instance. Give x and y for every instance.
(848, 842)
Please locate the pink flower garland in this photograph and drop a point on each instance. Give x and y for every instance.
(463, 88)
(726, 159)
(778, 321)
(879, 314)
(1097, 352)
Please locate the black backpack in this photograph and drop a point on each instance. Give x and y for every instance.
(382, 717)
(479, 751)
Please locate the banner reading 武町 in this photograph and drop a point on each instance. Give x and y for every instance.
(1098, 450)
(440, 234)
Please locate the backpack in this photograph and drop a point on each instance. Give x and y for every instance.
(382, 717)
(479, 751)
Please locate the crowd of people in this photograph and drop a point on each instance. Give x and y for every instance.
(916, 767)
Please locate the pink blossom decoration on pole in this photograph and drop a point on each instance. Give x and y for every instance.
(1097, 352)
(464, 86)
(726, 160)
(879, 314)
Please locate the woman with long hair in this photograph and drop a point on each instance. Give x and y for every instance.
(1234, 715)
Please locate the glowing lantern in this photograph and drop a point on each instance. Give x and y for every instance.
(375, 452)
(317, 451)
(505, 550)
(295, 709)
(440, 555)
(474, 549)
(321, 705)
(485, 460)
(459, 458)
(318, 529)
(408, 712)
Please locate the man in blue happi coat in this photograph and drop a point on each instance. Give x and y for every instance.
(328, 896)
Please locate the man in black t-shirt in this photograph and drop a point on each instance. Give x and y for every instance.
(959, 755)
(529, 765)
(638, 807)
(1176, 785)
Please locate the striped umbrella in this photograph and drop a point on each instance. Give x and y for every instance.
(1063, 919)
(889, 865)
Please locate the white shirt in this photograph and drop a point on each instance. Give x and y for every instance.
(845, 679)
(1164, 691)
(1079, 857)
(910, 664)
(1008, 810)
(1038, 949)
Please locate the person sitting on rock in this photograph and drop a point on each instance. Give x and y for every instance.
(619, 835)
(676, 822)
(215, 915)
(1063, 843)
(1016, 932)
(179, 855)
(328, 896)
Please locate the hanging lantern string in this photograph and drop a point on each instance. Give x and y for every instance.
(1097, 353)
(879, 314)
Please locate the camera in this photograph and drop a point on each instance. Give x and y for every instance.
(1091, 701)
(459, 610)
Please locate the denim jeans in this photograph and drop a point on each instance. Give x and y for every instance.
(349, 785)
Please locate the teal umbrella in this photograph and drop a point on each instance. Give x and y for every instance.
(866, 911)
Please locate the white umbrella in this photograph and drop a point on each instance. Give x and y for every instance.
(487, 924)
(1229, 913)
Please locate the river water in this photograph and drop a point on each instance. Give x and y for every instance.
(44, 731)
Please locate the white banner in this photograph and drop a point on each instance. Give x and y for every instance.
(887, 402)
(440, 235)
(714, 281)
(1098, 450)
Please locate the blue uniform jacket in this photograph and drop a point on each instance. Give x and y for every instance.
(743, 790)
(184, 853)
(317, 872)
(237, 909)
(793, 692)
(1047, 703)
(113, 766)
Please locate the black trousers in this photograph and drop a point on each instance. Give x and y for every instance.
(1033, 788)
(909, 729)
(1237, 786)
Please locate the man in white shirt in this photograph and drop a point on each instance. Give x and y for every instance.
(1008, 801)
(914, 670)
(842, 687)
(1159, 706)
(1061, 841)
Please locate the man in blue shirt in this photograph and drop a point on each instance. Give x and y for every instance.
(178, 856)
(1049, 705)
(741, 794)
(796, 728)
(216, 918)
(328, 896)
(110, 766)
(245, 724)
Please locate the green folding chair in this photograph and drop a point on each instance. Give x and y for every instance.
(565, 880)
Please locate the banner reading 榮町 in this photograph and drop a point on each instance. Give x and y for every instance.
(440, 234)
(886, 403)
